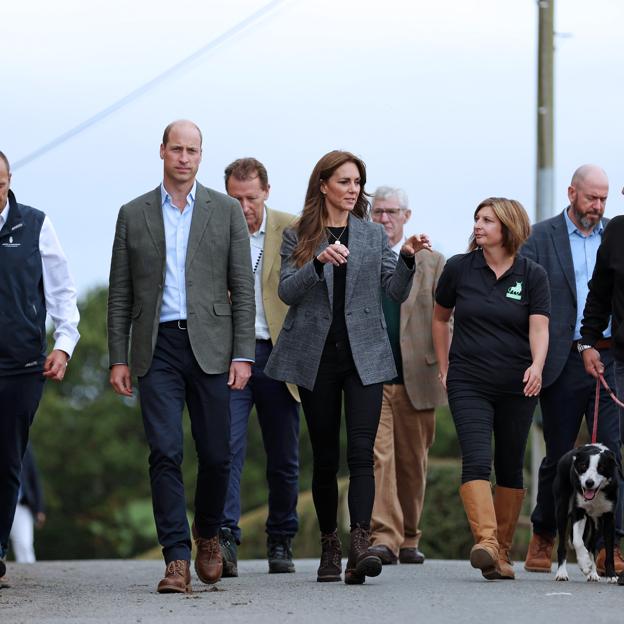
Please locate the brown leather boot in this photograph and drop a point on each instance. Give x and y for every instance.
(479, 506)
(617, 560)
(331, 558)
(539, 554)
(177, 578)
(361, 562)
(208, 561)
(507, 504)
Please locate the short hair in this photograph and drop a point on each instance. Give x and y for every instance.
(5, 160)
(247, 169)
(386, 192)
(165, 138)
(514, 220)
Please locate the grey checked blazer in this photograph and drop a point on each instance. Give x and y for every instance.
(549, 245)
(370, 267)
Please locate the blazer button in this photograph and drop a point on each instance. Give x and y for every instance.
(367, 310)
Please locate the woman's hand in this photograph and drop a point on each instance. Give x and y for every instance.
(335, 254)
(415, 243)
(532, 380)
(442, 378)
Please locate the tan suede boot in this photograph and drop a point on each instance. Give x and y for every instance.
(507, 503)
(479, 506)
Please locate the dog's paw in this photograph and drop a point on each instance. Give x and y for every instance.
(612, 580)
(593, 577)
(562, 573)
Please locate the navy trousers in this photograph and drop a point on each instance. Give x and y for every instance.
(19, 399)
(564, 404)
(278, 415)
(175, 378)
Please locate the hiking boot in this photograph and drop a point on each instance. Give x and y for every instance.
(361, 562)
(229, 553)
(331, 558)
(279, 554)
(177, 579)
(208, 562)
(539, 554)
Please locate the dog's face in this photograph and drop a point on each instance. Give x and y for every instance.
(595, 466)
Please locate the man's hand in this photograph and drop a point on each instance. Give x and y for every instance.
(55, 365)
(121, 379)
(592, 362)
(415, 243)
(240, 372)
(40, 519)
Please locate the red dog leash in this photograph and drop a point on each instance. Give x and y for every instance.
(601, 380)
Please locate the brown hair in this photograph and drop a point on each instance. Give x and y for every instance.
(310, 227)
(514, 220)
(247, 169)
(169, 128)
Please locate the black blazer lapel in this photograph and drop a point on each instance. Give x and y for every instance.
(561, 244)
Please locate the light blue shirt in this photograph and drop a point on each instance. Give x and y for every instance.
(177, 230)
(584, 248)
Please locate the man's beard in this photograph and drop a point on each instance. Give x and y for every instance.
(585, 220)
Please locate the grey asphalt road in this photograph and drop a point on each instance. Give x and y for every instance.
(121, 592)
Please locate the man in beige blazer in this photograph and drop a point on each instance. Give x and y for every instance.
(407, 425)
(181, 285)
(276, 403)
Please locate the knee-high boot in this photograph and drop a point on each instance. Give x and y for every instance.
(479, 506)
(507, 503)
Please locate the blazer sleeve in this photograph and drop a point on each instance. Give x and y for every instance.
(396, 276)
(241, 287)
(120, 295)
(295, 282)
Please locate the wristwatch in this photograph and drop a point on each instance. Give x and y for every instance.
(580, 347)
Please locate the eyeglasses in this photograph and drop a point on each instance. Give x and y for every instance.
(391, 212)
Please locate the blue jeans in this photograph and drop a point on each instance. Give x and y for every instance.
(278, 415)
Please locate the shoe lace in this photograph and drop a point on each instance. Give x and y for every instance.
(176, 567)
(209, 545)
(543, 547)
(361, 539)
(279, 549)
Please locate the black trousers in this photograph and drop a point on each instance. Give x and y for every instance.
(19, 399)
(564, 405)
(322, 408)
(480, 411)
(173, 379)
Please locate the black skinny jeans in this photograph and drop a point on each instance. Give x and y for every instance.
(480, 411)
(322, 408)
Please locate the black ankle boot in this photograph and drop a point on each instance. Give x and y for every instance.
(361, 562)
(279, 554)
(331, 558)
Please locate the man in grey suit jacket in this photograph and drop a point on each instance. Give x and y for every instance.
(566, 247)
(181, 284)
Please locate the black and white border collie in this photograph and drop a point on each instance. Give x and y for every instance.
(586, 489)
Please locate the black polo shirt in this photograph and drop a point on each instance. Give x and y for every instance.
(491, 329)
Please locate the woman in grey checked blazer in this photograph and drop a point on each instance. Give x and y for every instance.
(335, 262)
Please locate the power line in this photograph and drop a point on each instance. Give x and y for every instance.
(138, 92)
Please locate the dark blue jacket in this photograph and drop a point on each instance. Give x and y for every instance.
(22, 301)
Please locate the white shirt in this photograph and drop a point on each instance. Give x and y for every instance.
(58, 286)
(256, 243)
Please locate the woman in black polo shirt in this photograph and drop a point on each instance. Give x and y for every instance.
(493, 370)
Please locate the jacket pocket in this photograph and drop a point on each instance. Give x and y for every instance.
(222, 309)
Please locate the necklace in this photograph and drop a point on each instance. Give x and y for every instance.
(336, 238)
(257, 264)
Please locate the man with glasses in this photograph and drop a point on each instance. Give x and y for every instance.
(407, 425)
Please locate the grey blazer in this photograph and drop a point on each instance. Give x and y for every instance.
(219, 282)
(549, 245)
(370, 267)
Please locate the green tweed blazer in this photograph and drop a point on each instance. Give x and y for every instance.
(219, 282)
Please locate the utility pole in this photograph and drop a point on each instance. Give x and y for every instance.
(545, 179)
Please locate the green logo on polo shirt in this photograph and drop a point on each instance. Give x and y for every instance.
(515, 292)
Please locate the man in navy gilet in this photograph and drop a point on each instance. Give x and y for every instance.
(34, 281)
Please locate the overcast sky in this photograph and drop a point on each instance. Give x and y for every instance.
(436, 97)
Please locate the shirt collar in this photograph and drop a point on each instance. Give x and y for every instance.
(4, 215)
(517, 267)
(572, 229)
(165, 197)
(262, 229)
